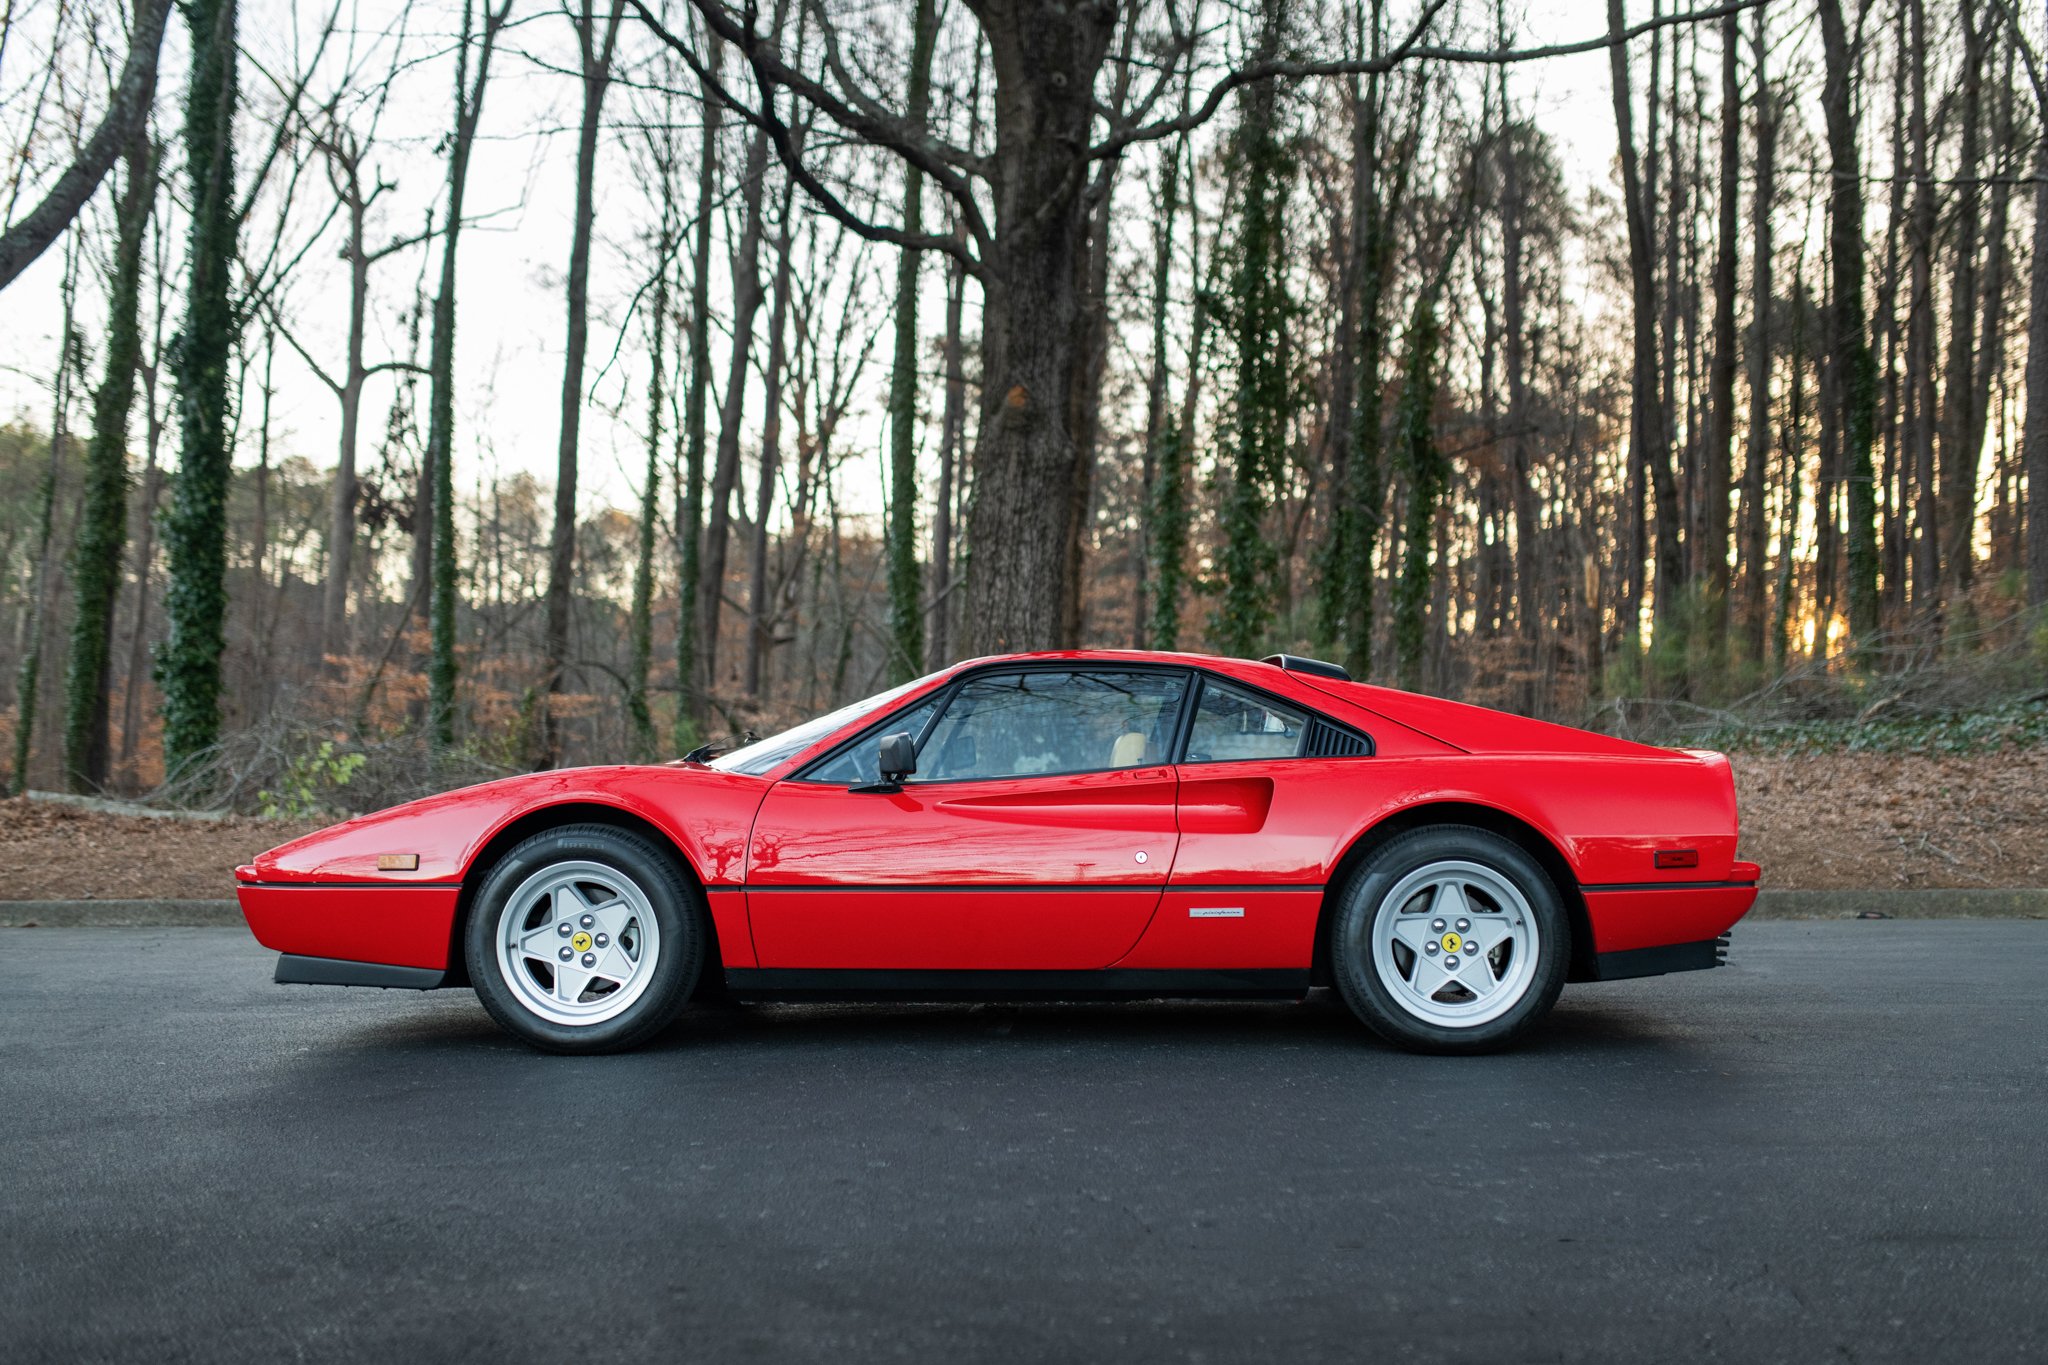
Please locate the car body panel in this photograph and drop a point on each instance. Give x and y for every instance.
(1041, 874)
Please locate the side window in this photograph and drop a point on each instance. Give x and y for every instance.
(1041, 721)
(855, 766)
(1231, 723)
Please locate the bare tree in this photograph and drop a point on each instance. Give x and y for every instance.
(596, 40)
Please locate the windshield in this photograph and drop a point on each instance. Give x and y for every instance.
(763, 754)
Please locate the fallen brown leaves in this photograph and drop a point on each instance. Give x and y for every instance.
(1864, 821)
(50, 851)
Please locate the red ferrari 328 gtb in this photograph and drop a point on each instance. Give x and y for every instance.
(1069, 826)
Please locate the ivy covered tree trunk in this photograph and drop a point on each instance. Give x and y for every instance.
(906, 619)
(1157, 414)
(1259, 310)
(103, 519)
(1426, 472)
(195, 528)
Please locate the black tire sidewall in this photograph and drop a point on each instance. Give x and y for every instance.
(1363, 900)
(679, 915)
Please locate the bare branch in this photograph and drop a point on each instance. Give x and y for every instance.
(1411, 50)
(127, 113)
(771, 71)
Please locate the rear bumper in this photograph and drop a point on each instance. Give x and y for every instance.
(294, 970)
(1647, 916)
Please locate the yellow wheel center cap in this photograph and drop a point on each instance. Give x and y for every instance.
(1452, 943)
(581, 943)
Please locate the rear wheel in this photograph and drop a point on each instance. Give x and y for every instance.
(1450, 939)
(585, 938)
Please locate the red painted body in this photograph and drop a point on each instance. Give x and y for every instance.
(1043, 873)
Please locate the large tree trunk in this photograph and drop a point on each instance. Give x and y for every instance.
(1758, 445)
(1854, 392)
(596, 50)
(103, 520)
(1046, 57)
(195, 531)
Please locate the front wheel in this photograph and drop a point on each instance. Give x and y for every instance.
(585, 938)
(1450, 939)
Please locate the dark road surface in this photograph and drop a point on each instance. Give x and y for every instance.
(1834, 1149)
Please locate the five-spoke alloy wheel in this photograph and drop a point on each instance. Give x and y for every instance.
(1450, 939)
(585, 938)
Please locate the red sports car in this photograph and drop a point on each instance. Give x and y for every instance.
(1069, 826)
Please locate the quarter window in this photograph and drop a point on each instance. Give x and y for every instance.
(1232, 723)
(1040, 721)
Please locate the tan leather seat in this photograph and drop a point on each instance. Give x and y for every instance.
(1129, 750)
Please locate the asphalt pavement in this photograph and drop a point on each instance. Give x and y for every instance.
(1834, 1148)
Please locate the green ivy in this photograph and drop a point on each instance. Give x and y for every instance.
(195, 528)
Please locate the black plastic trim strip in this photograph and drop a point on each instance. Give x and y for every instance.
(806, 983)
(1049, 888)
(1671, 957)
(355, 885)
(1668, 886)
(294, 970)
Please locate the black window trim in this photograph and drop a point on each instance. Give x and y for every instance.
(1197, 676)
(1314, 716)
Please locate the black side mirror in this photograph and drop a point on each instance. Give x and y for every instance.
(895, 759)
(896, 756)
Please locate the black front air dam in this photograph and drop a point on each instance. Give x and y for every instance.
(1671, 957)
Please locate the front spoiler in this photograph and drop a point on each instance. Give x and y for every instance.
(1658, 961)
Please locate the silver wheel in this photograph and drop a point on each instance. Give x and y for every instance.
(577, 943)
(1455, 944)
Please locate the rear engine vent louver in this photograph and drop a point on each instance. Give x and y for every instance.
(1327, 741)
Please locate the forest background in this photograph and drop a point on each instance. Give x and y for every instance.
(401, 393)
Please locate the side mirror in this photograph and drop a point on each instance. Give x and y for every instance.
(896, 756)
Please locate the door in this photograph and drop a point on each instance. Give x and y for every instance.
(1036, 834)
(1260, 817)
